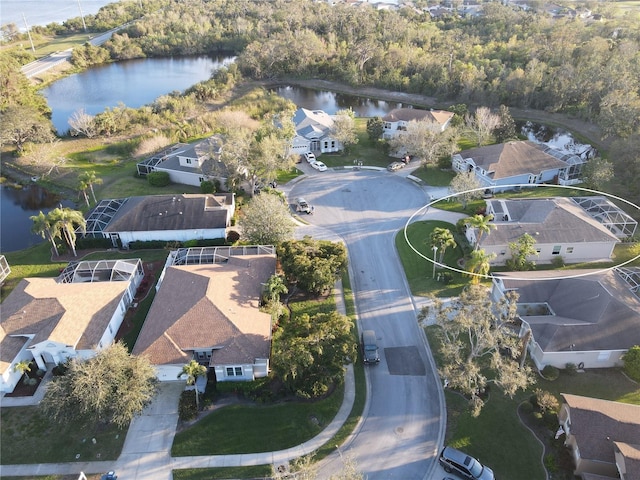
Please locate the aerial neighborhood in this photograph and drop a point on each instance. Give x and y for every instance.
(391, 275)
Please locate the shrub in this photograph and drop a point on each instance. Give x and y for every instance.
(187, 409)
(557, 261)
(631, 361)
(158, 179)
(90, 242)
(232, 236)
(207, 187)
(571, 368)
(550, 372)
(545, 401)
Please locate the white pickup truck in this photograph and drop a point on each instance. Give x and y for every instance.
(302, 206)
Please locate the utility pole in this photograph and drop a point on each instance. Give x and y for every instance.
(84, 25)
(33, 49)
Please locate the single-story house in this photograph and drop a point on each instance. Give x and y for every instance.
(396, 120)
(207, 309)
(559, 225)
(313, 133)
(519, 163)
(189, 164)
(48, 320)
(586, 317)
(603, 437)
(162, 217)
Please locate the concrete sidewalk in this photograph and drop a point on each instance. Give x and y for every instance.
(146, 453)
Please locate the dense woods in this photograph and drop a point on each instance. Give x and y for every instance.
(505, 56)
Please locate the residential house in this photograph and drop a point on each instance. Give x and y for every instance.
(313, 133)
(162, 217)
(505, 165)
(189, 164)
(207, 309)
(603, 437)
(586, 317)
(48, 320)
(561, 227)
(396, 121)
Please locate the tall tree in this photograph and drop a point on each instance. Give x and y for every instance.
(22, 124)
(471, 329)
(82, 123)
(597, 172)
(90, 179)
(466, 186)
(478, 265)
(266, 220)
(344, 128)
(482, 124)
(83, 187)
(43, 226)
(521, 251)
(506, 129)
(67, 220)
(443, 239)
(482, 225)
(425, 140)
(375, 128)
(193, 370)
(309, 353)
(112, 387)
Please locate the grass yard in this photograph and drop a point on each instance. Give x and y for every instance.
(252, 429)
(258, 471)
(434, 176)
(418, 270)
(25, 437)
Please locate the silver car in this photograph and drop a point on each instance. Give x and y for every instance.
(463, 465)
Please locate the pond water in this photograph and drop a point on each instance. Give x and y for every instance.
(557, 138)
(331, 102)
(132, 82)
(17, 205)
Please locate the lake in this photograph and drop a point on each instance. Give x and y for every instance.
(17, 205)
(132, 82)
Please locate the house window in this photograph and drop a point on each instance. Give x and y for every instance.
(188, 161)
(556, 250)
(234, 371)
(569, 250)
(538, 250)
(333, 144)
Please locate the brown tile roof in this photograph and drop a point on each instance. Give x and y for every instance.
(509, 159)
(596, 424)
(74, 314)
(209, 306)
(631, 454)
(9, 349)
(408, 114)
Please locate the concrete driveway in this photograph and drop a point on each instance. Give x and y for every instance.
(404, 421)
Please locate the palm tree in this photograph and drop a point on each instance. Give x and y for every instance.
(443, 239)
(23, 367)
(42, 226)
(82, 186)
(481, 223)
(478, 264)
(90, 179)
(193, 370)
(66, 219)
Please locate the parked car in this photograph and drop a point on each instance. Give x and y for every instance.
(395, 166)
(369, 347)
(310, 157)
(109, 476)
(302, 206)
(463, 465)
(318, 165)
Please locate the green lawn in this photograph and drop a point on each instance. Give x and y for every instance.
(26, 437)
(252, 429)
(258, 471)
(434, 176)
(418, 270)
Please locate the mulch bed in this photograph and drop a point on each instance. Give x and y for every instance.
(22, 390)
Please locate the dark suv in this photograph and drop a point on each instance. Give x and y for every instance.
(463, 465)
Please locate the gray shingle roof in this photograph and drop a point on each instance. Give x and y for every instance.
(169, 212)
(593, 312)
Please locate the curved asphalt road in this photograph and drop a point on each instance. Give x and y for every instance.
(403, 425)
